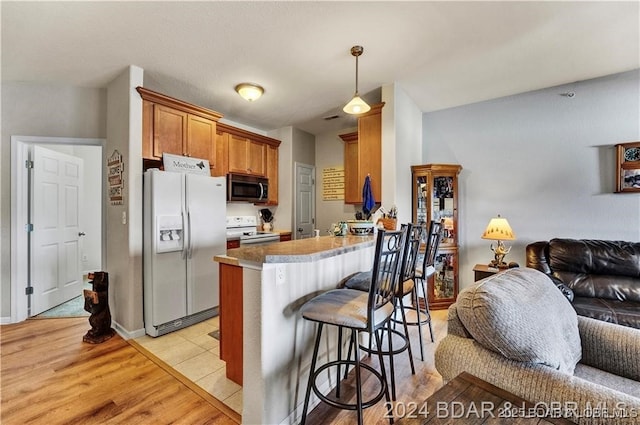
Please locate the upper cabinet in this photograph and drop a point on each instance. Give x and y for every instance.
(363, 156)
(172, 126)
(251, 153)
(246, 156)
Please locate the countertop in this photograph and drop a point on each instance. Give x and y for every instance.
(296, 251)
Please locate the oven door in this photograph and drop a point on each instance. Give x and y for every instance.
(259, 239)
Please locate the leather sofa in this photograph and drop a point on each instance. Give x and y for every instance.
(601, 278)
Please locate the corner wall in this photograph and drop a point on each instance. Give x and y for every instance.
(124, 222)
(544, 161)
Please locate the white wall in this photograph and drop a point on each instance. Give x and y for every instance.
(330, 153)
(124, 222)
(46, 110)
(542, 160)
(401, 148)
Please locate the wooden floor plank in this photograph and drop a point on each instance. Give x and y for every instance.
(49, 376)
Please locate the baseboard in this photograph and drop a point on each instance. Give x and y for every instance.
(125, 334)
(5, 320)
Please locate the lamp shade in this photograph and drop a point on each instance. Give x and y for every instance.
(249, 91)
(499, 229)
(356, 106)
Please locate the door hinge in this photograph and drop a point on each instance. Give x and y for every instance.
(28, 227)
(28, 290)
(28, 163)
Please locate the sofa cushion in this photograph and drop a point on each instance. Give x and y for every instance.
(593, 256)
(520, 314)
(625, 313)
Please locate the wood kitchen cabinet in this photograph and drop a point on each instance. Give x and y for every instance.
(435, 197)
(352, 194)
(251, 153)
(246, 156)
(363, 156)
(172, 126)
(272, 174)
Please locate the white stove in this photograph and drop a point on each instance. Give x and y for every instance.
(246, 228)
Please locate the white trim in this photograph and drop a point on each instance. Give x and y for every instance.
(125, 334)
(20, 146)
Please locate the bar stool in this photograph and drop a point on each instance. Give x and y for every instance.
(423, 317)
(360, 312)
(361, 281)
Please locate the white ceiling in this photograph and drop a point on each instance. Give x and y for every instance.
(442, 54)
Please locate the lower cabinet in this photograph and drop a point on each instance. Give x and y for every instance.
(235, 243)
(285, 237)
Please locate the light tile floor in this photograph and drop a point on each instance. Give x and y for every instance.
(196, 355)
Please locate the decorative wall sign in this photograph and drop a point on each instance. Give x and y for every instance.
(115, 169)
(332, 183)
(628, 167)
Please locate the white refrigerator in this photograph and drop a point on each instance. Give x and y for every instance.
(184, 227)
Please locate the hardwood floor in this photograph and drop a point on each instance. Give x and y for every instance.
(49, 376)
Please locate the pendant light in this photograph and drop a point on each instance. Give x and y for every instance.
(356, 105)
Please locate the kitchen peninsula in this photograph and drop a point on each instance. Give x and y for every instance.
(264, 341)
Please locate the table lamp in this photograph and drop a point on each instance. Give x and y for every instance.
(499, 230)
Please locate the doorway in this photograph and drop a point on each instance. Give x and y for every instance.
(90, 248)
(304, 202)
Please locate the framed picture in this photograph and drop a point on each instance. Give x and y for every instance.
(628, 167)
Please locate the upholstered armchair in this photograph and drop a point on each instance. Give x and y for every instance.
(516, 331)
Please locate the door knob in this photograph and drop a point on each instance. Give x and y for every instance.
(300, 229)
(81, 233)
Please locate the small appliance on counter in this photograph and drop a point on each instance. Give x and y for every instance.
(245, 227)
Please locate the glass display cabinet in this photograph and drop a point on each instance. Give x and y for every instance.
(435, 197)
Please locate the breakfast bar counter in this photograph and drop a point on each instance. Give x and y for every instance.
(264, 341)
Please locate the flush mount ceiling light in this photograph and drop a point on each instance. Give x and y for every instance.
(356, 105)
(249, 91)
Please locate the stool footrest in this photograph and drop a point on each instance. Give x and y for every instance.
(348, 406)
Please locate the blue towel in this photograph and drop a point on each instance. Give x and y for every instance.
(368, 202)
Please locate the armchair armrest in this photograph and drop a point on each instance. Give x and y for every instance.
(533, 382)
(610, 347)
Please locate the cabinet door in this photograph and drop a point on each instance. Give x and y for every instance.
(352, 188)
(256, 158)
(246, 156)
(201, 134)
(443, 206)
(272, 174)
(237, 156)
(443, 284)
(169, 131)
(370, 151)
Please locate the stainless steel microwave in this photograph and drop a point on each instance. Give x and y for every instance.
(242, 187)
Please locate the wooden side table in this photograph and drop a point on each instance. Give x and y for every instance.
(480, 271)
(469, 399)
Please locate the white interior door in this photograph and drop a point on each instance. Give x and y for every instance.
(56, 274)
(305, 201)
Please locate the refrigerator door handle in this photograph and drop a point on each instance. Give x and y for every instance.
(184, 243)
(190, 247)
